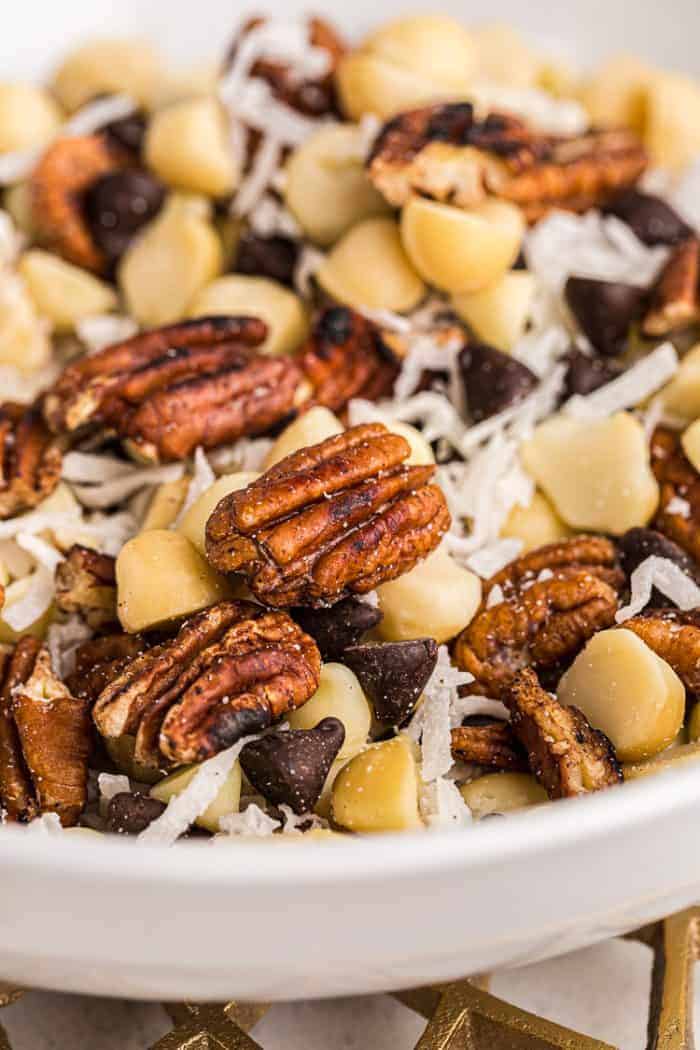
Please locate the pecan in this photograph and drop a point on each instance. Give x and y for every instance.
(166, 391)
(493, 745)
(30, 459)
(86, 584)
(443, 151)
(678, 479)
(675, 302)
(543, 625)
(44, 739)
(674, 635)
(595, 555)
(312, 97)
(231, 670)
(344, 359)
(100, 660)
(565, 753)
(331, 520)
(57, 185)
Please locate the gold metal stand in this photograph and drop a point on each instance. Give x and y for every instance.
(464, 1016)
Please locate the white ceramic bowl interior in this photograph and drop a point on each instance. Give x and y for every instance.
(271, 921)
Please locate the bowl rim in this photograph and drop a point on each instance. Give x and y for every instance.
(542, 830)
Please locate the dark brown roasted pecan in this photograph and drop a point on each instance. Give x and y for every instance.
(675, 637)
(313, 97)
(443, 151)
(595, 555)
(100, 660)
(543, 625)
(86, 585)
(675, 302)
(493, 745)
(344, 358)
(678, 480)
(166, 391)
(331, 520)
(30, 459)
(44, 738)
(231, 670)
(565, 753)
(64, 173)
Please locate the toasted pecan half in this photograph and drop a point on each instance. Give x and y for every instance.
(231, 670)
(443, 151)
(678, 479)
(30, 459)
(331, 520)
(493, 745)
(99, 661)
(543, 625)
(57, 184)
(565, 753)
(344, 358)
(166, 391)
(86, 585)
(44, 739)
(674, 635)
(675, 302)
(596, 555)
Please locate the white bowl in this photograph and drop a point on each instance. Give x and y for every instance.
(275, 922)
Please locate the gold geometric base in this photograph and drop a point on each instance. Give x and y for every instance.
(463, 1015)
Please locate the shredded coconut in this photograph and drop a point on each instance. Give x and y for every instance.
(63, 640)
(295, 824)
(246, 454)
(270, 217)
(110, 492)
(636, 384)
(539, 108)
(439, 694)
(111, 784)
(469, 706)
(46, 824)
(195, 799)
(307, 266)
(442, 806)
(202, 479)
(255, 184)
(492, 558)
(253, 821)
(668, 578)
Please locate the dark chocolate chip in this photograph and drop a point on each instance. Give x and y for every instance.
(605, 310)
(492, 380)
(650, 218)
(290, 768)
(638, 544)
(274, 257)
(336, 628)
(393, 674)
(118, 205)
(334, 326)
(130, 814)
(129, 132)
(585, 373)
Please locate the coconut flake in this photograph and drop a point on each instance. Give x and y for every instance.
(668, 578)
(297, 824)
(195, 799)
(469, 706)
(636, 384)
(255, 184)
(63, 640)
(270, 218)
(253, 821)
(119, 488)
(439, 694)
(307, 266)
(111, 784)
(202, 479)
(539, 108)
(442, 806)
(104, 330)
(46, 824)
(490, 559)
(246, 454)
(678, 505)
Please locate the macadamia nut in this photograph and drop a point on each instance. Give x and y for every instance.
(690, 440)
(535, 525)
(595, 472)
(628, 692)
(161, 577)
(62, 293)
(311, 428)
(187, 147)
(227, 801)
(106, 67)
(340, 696)
(378, 789)
(281, 310)
(29, 117)
(502, 793)
(194, 521)
(499, 313)
(681, 397)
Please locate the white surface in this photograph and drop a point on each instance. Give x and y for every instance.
(574, 991)
(287, 922)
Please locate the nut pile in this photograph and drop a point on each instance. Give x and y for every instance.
(350, 433)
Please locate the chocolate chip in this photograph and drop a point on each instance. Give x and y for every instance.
(638, 544)
(129, 132)
(604, 311)
(118, 205)
(336, 628)
(393, 674)
(334, 326)
(650, 218)
(290, 768)
(492, 380)
(586, 373)
(130, 814)
(274, 257)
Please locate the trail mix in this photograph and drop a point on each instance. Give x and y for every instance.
(349, 434)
